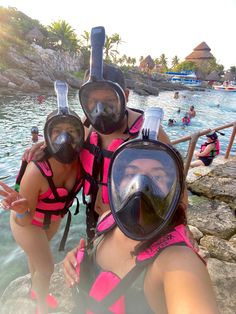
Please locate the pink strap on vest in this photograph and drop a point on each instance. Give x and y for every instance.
(112, 147)
(45, 168)
(137, 125)
(87, 160)
(104, 284)
(106, 223)
(174, 237)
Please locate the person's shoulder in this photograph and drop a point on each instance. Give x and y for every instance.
(178, 257)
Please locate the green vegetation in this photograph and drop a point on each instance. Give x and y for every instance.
(15, 27)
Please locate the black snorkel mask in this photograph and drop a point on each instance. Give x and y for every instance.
(102, 101)
(145, 182)
(63, 131)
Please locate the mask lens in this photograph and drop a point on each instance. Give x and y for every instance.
(144, 188)
(100, 98)
(64, 133)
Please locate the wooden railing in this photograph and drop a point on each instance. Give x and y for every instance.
(193, 138)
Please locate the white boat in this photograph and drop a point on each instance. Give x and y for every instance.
(225, 88)
(187, 78)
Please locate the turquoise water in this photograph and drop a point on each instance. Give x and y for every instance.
(18, 115)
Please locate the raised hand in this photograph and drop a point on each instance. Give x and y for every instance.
(12, 199)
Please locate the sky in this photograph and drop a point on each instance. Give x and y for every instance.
(151, 27)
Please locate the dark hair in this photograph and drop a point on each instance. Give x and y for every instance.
(213, 136)
(111, 73)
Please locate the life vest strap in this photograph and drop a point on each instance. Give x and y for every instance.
(102, 306)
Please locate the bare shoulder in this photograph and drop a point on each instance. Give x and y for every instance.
(186, 281)
(179, 257)
(32, 171)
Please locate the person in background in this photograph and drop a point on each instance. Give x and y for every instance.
(35, 134)
(176, 95)
(191, 112)
(47, 189)
(141, 260)
(171, 122)
(209, 150)
(41, 99)
(185, 120)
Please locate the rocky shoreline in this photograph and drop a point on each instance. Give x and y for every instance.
(34, 71)
(211, 218)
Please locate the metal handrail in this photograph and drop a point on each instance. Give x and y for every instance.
(193, 138)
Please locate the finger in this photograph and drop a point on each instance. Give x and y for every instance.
(6, 187)
(69, 264)
(3, 193)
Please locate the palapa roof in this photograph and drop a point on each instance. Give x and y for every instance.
(213, 76)
(229, 77)
(147, 63)
(35, 35)
(201, 52)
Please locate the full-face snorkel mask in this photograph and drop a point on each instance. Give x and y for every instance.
(145, 182)
(63, 131)
(102, 101)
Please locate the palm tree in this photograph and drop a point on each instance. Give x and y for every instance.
(86, 38)
(109, 50)
(175, 61)
(62, 36)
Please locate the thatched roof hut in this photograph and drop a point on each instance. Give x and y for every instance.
(229, 77)
(200, 53)
(147, 63)
(35, 35)
(213, 76)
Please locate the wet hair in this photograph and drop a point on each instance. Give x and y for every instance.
(111, 73)
(213, 136)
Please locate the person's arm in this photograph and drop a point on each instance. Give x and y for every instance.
(206, 151)
(23, 204)
(30, 188)
(12, 200)
(186, 283)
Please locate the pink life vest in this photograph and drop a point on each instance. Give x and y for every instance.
(214, 152)
(54, 202)
(107, 293)
(93, 158)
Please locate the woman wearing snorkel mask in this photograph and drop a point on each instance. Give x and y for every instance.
(141, 260)
(47, 190)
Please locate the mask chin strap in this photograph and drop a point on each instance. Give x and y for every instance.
(151, 125)
(61, 89)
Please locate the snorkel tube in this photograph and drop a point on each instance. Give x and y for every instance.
(107, 111)
(61, 89)
(66, 143)
(152, 121)
(96, 58)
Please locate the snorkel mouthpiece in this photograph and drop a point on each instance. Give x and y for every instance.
(152, 120)
(96, 60)
(61, 89)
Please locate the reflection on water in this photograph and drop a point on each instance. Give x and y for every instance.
(18, 115)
